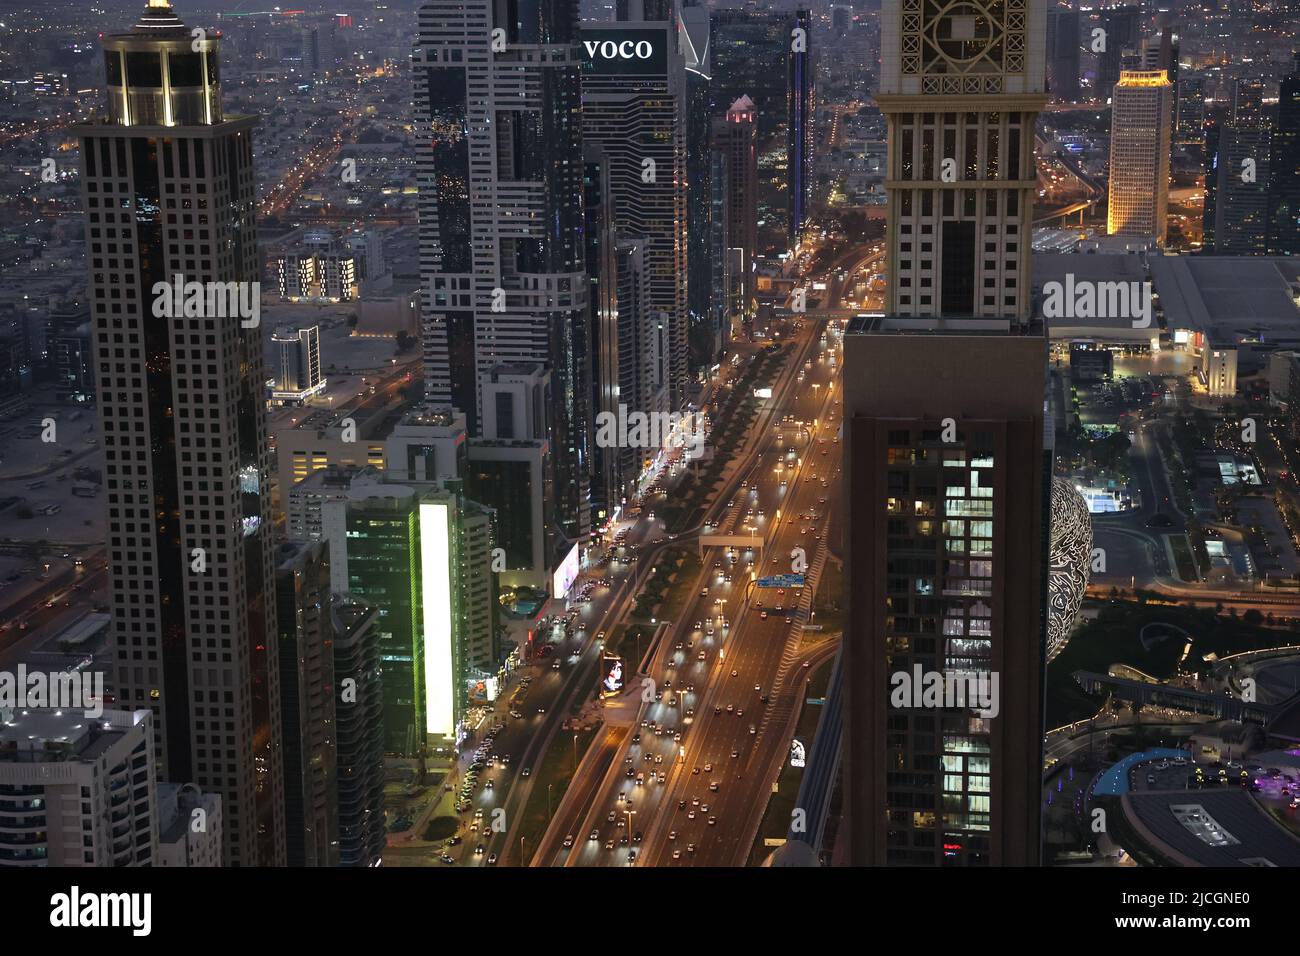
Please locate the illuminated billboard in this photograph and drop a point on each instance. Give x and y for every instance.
(565, 574)
(611, 675)
(622, 50)
(436, 585)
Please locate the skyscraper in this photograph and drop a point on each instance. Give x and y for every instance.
(961, 108)
(802, 108)
(736, 168)
(307, 695)
(1122, 28)
(374, 537)
(1284, 170)
(1242, 174)
(359, 734)
(634, 110)
(500, 173)
(751, 57)
(944, 459)
(170, 195)
(706, 336)
(1138, 199)
(1063, 53)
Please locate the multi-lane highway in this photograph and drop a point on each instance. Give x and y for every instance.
(725, 651)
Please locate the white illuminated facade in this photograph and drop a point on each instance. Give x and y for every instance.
(961, 86)
(437, 572)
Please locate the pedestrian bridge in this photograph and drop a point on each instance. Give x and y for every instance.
(719, 539)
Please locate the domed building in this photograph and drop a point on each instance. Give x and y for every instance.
(1070, 562)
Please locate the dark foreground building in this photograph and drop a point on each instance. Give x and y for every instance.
(947, 478)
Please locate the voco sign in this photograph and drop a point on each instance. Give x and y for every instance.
(619, 49)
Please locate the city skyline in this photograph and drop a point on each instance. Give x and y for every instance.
(650, 434)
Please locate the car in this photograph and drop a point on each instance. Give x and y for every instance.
(527, 771)
(454, 841)
(758, 687)
(731, 708)
(636, 837)
(690, 848)
(734, 673)
(807, 664)
(445, 858)
(763, 616)
(700, 656)
(753, 729)
(479, 850)
(492, 859)
(672, 834)
(681, 804)
(713, 786)
(594, 835)
(708, 768)
(517, 715)
(613, 815)
(630, 772)
(555, 666)
(609, 844)
(716, 711)
(690, 814)
(568, 840)
(735, 752)
(713, 821)
(677, 854)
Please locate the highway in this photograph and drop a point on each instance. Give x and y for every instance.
(680, 732)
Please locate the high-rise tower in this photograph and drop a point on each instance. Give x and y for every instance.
(169, 195)
(801, 94)
(944, 456)
(634, 110)
(961, 87)
(1284, 169)
(501, 249)
(1138, 198)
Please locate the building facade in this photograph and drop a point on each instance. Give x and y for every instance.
(182, 408)
(501, 219)
(945, 466)
(1138, 200)
(76, 792)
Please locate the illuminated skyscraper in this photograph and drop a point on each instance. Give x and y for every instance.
(634, 110)
(945, 466)
(1139, 156)
(802, 108)
(736, 219)
(500, 171)
(961, 91)
(169, 192)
